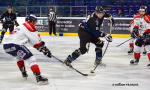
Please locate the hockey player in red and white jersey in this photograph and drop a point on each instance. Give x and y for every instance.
(15, 46)
(143, 38)
(135, 24)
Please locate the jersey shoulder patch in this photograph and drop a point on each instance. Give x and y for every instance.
(30, 27)
(147, 18)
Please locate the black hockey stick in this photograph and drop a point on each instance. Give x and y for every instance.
(124, 42)
(92, 71)
(70, 66)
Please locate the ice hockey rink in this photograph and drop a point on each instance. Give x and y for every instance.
(117, 72)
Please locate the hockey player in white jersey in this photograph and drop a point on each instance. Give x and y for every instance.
(15, 46)
(143, 21)
(135, 30)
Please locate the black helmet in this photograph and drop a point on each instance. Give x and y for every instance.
(143, 8)
(31, 18)
(99, 9)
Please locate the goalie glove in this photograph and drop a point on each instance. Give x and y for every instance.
(42, 48)
(108, 37)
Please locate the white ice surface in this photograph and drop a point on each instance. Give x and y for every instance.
(60, 77)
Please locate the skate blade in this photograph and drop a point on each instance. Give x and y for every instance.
(43, 83)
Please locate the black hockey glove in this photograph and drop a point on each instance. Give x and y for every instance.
(113, 22)
(45, 51)
(108, 37)
(135, 33)
(16, 23)
(1, 21)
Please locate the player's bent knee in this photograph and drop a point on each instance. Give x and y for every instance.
(98, 49)
(31, 61)
(100, 44)
(147, 48)
(83, 50)
(137, 49)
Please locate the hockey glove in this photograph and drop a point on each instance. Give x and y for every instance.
(42, 48)
(45, 51)
(113, 22)
(1, 21)
(108, 37)
(16, 23)
(135, 33)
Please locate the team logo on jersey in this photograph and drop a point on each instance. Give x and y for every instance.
(21, 54)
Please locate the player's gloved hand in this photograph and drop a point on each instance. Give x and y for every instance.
(1, 21)
(108, 37)
(16, 23)
(42, 48)
(45, 51)
(113, 22)
(135, 33)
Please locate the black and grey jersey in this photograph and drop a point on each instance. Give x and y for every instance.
(94, 23)
(8, 18)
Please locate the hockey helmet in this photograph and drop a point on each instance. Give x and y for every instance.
(143, 8)
(99, 9)
(31, 18)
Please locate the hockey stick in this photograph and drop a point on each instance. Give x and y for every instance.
(70, 66)
(92, 71)
(124, 42)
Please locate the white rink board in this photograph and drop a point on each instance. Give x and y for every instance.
(60, 77)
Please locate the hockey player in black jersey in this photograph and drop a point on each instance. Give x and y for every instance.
(89, 32)
(8, 20)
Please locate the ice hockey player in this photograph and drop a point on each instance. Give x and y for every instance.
(8, 19)
(89, 32)
(144, 38)
(15, 46)
(135, 33)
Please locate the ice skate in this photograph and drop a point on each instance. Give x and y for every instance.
(134, 62)
(41, 80)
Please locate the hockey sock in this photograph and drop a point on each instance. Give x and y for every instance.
(21, 65)
(131, 45)
(35, 69)
(98, 51)
(137, 56)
